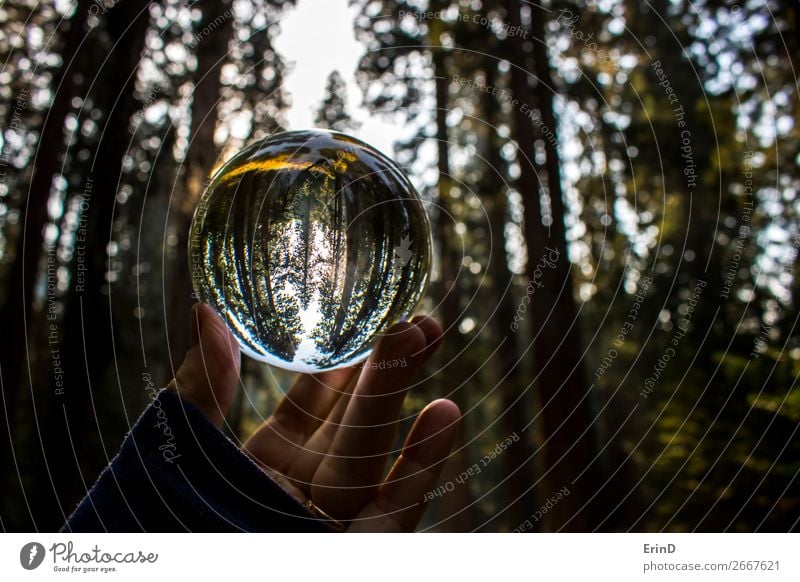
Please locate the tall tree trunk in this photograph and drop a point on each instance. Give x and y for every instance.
(16, 311)
(449, 260)
(516, 402)
(566, 426)
(201, 157)
(77, 415)
(454, 505)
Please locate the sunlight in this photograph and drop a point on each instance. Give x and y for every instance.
(317, 38)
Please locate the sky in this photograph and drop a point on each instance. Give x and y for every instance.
(317, 37)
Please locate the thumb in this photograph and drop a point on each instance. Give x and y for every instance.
(209, 374)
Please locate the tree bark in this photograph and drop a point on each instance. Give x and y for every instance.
(17, 308)
(200, 159)
(445, 231)
(77, 416)
(566, 425)
(455, 505)
(515, 396)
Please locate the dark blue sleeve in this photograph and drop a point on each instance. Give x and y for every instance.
(176, 471)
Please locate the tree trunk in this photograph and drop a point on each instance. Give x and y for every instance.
(201, 157)
(566, 425)
(77, 415)
(516, 402)
(455, 504)
(17, 312)
(445, 232)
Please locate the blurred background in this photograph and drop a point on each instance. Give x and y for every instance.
(612, 186)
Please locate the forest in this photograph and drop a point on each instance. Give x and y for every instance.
(612, 190)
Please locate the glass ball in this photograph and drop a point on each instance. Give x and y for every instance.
(310, 245)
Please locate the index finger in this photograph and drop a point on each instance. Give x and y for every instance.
(357, 456)
(279, 441)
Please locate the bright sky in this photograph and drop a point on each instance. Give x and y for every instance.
(315, 38)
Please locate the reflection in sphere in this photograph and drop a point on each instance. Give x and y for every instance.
(310, 244)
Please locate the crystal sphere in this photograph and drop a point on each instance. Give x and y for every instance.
(310, 244)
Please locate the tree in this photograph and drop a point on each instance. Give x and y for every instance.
(213, 34)
(516, 402)
(17, 309)
(87, 340)
(332, 112)
(565, 400)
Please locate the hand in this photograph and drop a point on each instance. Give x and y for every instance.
(329, 438)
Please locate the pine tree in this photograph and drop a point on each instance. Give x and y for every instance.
(332, 112)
